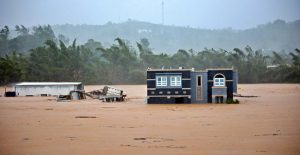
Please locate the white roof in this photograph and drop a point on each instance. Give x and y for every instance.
(46, 83)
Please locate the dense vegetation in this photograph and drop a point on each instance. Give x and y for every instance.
(47, 58)
(277, 35)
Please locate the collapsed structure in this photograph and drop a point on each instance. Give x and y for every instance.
(65, 91)
(108, 94)
(190, 86)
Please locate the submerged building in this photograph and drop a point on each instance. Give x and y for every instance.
(46, 88)
(190, 86)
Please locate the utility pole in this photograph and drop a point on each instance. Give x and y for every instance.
(162, 13)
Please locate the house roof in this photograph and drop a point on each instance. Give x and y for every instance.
(46, 83)
(187, 69)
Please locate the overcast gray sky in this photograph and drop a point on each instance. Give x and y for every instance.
(213, 14)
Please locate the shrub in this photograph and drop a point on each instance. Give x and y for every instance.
(232, 101)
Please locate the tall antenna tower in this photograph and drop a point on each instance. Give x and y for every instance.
(162, 13)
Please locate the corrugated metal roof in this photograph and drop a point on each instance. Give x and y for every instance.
(46, 83)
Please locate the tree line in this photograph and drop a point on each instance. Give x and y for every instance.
(47, 58)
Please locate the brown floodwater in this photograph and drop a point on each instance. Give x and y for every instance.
(268, 124)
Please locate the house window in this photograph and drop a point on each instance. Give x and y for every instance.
(199, 81)
(175, 81)
(161, 81)
(219, 80)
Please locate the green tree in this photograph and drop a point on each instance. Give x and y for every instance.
(12, 68)
(121, 59)
(4, 41)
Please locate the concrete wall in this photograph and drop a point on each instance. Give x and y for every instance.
(219, 91)
(49, 90)
(194, 79)
(235, 81)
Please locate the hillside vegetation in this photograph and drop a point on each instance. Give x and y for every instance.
(278, 35)
(41, 56)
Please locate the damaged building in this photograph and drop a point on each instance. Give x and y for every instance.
(46, 88)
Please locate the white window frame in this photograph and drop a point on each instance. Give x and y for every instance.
(161, 81)
(219, 81)
(175, 81)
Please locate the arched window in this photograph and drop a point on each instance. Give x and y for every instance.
(219, 80)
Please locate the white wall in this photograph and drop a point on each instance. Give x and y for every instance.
(50, 90)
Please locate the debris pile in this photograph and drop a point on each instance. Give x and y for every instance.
(73, 95)
(108, 94)
(10, 94)
(240, 95)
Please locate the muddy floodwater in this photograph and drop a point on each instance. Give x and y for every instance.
(267, 124)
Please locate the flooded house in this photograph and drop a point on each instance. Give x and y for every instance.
(46, 88)
(191, 86)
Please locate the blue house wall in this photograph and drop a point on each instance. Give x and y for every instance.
(228, 73)
(169, 94)
(189, 91)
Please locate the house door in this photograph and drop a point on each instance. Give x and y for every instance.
(219, 99)
(199, 88)
(179, 100)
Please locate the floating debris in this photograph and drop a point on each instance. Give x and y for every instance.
(85, 117)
